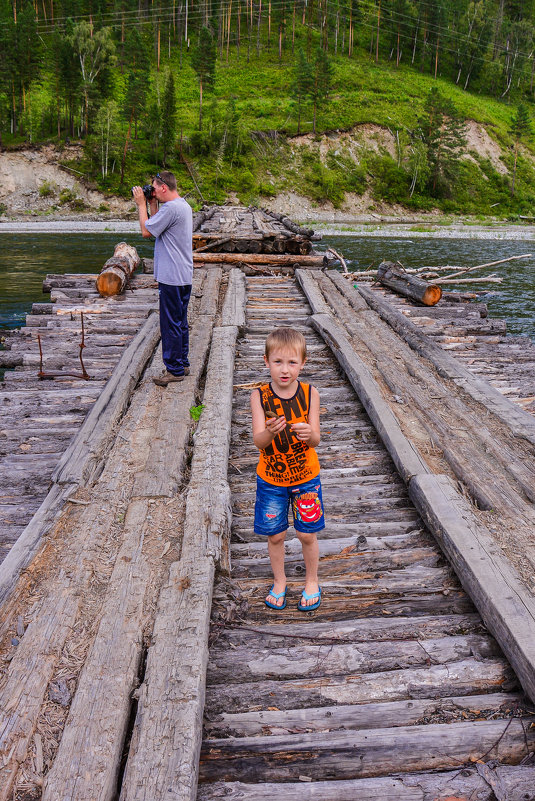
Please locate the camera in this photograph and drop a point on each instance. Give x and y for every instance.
(148, 191)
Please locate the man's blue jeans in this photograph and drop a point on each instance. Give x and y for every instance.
(174, 326)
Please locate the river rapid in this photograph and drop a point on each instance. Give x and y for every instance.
(28, 253)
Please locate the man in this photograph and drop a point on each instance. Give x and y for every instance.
(171, 224)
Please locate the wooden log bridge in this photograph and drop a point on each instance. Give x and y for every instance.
(138, 660)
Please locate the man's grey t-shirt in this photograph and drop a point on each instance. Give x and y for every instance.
(172, 227)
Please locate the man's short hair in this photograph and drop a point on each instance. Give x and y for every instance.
(287, 338)
(167, 178)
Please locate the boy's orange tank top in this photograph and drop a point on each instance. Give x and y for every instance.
(287, 461)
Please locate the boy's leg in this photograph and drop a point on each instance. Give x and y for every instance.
(309, 518)
(311, 556)
(276, 557)
(271, 515)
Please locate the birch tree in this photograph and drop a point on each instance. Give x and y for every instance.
(96, 52)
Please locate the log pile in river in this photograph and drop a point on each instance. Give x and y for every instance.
(397, 687)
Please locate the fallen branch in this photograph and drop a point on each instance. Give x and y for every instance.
(340, 259)
(491, 279)
(481, 266)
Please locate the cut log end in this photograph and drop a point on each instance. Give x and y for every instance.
(109, 283)
(432, 295)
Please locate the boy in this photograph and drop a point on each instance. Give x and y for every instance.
(286, 429)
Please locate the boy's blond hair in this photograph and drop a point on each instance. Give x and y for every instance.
(286, 338)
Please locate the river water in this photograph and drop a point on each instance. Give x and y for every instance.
(513, 300)
(26, 258)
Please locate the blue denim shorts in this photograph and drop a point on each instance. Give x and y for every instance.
(272, 504)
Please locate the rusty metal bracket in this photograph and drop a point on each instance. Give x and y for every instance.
(84, 374)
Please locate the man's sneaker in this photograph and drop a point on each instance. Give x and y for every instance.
(167, 378)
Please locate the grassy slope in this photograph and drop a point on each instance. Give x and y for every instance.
(364, 92)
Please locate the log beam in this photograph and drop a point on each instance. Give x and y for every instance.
(394, 277)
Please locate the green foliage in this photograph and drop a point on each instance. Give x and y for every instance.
(444, 135)
(46, 189)
(521, 125)
(67, 196)
(392, 183)
(196, 411)
(60, 78)
(203, 61)
(95, 51)
(520, 129)
(321, 82)
(168, 115)
(302, 85)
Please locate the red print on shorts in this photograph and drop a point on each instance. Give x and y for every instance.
(307, 507)
(270, 517)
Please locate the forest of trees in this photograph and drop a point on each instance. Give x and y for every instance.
(108, 71)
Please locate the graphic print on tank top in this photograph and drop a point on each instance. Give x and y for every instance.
(287, 460)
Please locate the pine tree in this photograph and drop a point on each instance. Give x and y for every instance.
(321, 84)
(168, 117)
(203, 62)
(21, 60)
(302, 84)
(520, 129)
(444, 135)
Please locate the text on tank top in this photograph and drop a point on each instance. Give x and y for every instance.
(287, 460)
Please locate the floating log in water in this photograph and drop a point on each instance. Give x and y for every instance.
(117, 270)
(395, 277)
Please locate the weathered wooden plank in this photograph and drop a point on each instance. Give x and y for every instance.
(521, 423)
(87, 763)
(210, 293)
(166, 452)
(25, 683)
(171, 699)
(354, 560)
(363, 716)
(301, 660)
(312, 292)
(84, 457)
(433, 681)
(353, 754)
(274, 635)
(234, 305)
(515, 782)
(407, 460)
(27, 543)
(273, 260)
(504, 602)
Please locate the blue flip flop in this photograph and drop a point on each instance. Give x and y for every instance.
(307, 597)
(277, 595)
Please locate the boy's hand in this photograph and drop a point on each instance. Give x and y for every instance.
(275, 425)
(303, 431)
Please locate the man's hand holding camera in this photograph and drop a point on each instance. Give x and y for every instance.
(141, 197)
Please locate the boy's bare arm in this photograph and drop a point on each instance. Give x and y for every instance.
(310, 432)
(264, 430)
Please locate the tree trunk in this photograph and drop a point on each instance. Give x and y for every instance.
(411, 287)
(117, 270)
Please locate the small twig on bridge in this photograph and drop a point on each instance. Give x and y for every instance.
(498, 741)
(82, 346)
